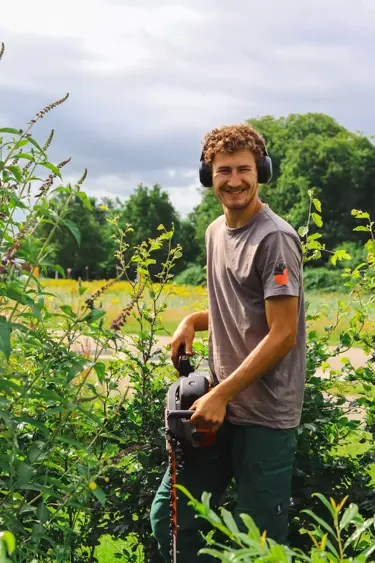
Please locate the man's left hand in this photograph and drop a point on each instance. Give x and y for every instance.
(209, 410)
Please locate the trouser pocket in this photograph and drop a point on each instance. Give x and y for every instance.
(264, 494)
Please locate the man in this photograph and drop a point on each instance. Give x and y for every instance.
(256, 329)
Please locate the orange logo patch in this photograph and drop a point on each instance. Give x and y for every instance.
(281, 274)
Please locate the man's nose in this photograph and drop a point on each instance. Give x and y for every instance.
(234, 180)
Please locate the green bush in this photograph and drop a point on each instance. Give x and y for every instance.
(193, 275)
(347, 537)
(67, 424)
(325, 279)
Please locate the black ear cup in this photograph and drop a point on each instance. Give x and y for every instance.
(205, 174)
(264, 170)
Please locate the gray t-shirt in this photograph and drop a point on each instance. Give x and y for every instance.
(245, 266)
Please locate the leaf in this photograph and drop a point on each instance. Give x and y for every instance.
(74, 230)
(24, 473)
(278, 553)
(340, 255)
(16, 171)
(76, 368)
(215, 553)
(91, 416)
(42, 512)
(358, 532)
(366, 552)
(67, 309)
(229, 521)
(69, 441)
(99, 367)
(303, 230)
(11, 130)
(16, 294)
(320, 522)
(348, 515)
(36, 145)
(94, 315)
(9, 540)
(83, 197)
(253, 530)
(16, 202)
(25, 155)
(362, 228)
(38, 487)
(100, 494)
(35, 453)
(317, 219)
(62, 189)
(55, 267)
(5, 333)
(317, 205)
(21, 143)
(35, 423)
(50, 395)
(51, 167)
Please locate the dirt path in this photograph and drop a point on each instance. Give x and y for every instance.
(355, 355)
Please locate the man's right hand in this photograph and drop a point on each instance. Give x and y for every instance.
(183, 337)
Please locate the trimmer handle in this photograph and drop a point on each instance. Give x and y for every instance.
(184, 365)
(180, 414)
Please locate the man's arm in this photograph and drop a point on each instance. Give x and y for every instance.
(282, 315)
(185, 332)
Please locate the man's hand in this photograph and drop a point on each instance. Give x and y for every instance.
(210, 410)
(183, 336)
(185, 333)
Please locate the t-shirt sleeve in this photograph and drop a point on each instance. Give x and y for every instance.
(279, 264)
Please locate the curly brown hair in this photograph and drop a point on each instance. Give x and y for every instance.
(231, 138)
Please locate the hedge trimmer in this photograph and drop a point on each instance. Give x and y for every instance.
(179, 432)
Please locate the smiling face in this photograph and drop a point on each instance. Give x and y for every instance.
(235, 183)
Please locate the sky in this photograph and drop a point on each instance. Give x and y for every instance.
(148, 78)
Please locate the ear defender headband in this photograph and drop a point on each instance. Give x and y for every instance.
(264, 170)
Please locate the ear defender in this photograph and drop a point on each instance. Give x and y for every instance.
(205, 174)
(264, 170)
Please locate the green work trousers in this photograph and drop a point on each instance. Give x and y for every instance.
(260, 459)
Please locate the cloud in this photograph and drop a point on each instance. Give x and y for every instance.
(148, 79)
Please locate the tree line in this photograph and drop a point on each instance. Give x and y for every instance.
(309, 151)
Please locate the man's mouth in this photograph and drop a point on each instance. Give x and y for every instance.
(235, 192)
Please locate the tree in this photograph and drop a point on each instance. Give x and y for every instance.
(203, 214)
(146, 209)
(83, 244)
(313, 151)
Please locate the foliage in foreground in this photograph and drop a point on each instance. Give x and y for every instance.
(346, 536)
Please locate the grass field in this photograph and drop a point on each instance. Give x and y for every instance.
(181, 300)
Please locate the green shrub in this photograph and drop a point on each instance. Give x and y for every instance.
(193, 275)
(346, 537)
(325, 279)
